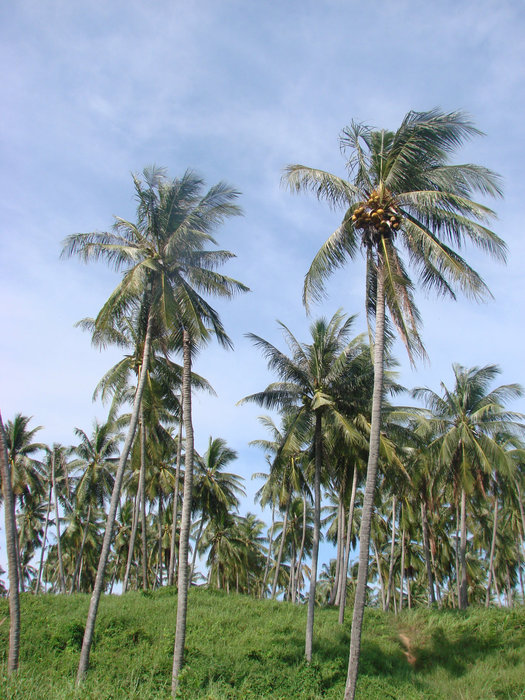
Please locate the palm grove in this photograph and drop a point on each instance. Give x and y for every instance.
(430, 496)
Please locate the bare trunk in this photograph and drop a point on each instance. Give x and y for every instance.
(57, 525)
(183, 578)
(426, 549)
(268, 556)
(143, 501)
(171, 570)
(41, 566)
(160, 562)
(335, 588)
(11, 538)
(133, 534)
(81, 552)
(380, 575)
(492, 546)
(368, 501)
(392, 549)
(197, 540)
(301, 552)
(344, 572)
(280, 554)
(315, 545)
(463, 589)
(110, 522)
(402, 572)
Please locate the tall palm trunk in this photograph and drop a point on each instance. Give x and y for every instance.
(268, 556)
(301, 552)
(197, 540)
(175, 501)
(368, 500)
(426, 549)
(392, 550)
(143, 501)
(160, 557)
(133, 534)
(463, 589)
(344, 572)
(57, 524)
(492, 545)
(281, 547)
(12, 559)
(317, 530)
(183, 578)
(81, 552)
(44, 540)
(335, 588)
(380, 575)
(110, 522)
(402, 572)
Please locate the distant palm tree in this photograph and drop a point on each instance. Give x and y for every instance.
(403, 204)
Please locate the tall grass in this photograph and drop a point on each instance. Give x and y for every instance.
(239, 648)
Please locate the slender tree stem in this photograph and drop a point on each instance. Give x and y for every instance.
(317, 530)
(344, 573)
(175, 501)
(368, 500)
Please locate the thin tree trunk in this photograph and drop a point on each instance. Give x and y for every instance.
(509, 589)
(114, 574)
(368, 501)
(41, 566)
(171, 570)
(133, 534)
(402, 572)
(335, 587)
(81, 552)
(380, 575)
(392, 549)
(492, 545)
(268, 556)
(281, 547)
(110, 522)
(160, 562)
(301, 552)
(463, 590)
(183, 579)
(426, 549)
(522, 513)
(458, 574)
(344, 572)
(11, 538)
(341, 555)
(57, 524)
(315, 544)
(197, 540)
(143, 501)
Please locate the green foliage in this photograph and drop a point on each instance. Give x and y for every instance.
(240, 648)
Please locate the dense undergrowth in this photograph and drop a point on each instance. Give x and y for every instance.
(240, 648)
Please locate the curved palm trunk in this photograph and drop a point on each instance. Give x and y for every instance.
(380, 575)
(280, 554)
(334, 594)
(344, 572)
(183, 578)
(368, 501)
(57, 523)
(175, 503)
(315, 545)
(12, 559)
(110, 522)
(41, 566)
(197, 540)
(81, 552)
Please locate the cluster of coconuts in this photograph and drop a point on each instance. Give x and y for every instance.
(378, 214)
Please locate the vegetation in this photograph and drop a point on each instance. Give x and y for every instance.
(241, 648)
(429, 497)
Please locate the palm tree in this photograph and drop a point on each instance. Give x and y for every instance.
(12, 558)
(165, 265)
(214, 489)
(403, 204)
(469, 417)
(308, 381)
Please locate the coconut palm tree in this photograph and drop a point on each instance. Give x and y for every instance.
(12, 556)
(166, 266)
(470, 417)
(404, 204)
(308, 381)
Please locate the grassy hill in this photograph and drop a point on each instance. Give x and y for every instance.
(239, 648)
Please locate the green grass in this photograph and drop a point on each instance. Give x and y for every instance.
(239, 648)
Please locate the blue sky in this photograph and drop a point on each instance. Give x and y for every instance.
(93, 91)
